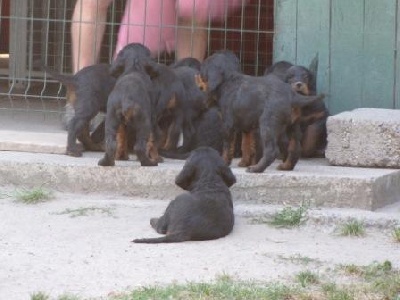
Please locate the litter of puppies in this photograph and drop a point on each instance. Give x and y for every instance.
(149, 105)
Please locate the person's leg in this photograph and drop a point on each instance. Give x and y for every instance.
(191, 40)
(192, 31)
(193, 20)
(87, 30)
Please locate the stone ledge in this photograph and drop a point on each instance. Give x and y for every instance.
(313, 181)
(364, 137)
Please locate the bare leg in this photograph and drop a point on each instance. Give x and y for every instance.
(191, 39)
(87, 30)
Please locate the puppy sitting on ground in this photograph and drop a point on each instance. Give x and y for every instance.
(88, 92)
(206, 212)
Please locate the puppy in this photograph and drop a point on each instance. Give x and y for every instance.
(88, 92)
(207, 132)
(314, 116)
(206, 211)
(129, 110)
(194, 103)
(264, 109)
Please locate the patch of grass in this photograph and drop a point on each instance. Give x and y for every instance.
(299, 259)
(289, 216)
(352, 228)
(333, 292)
(396, 234)
(223, 288)
(33, 196)
(68, 297)
(39, 296)
(306, 278)
(370, 271)
(86, 211)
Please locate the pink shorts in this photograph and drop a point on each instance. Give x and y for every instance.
(153, 22)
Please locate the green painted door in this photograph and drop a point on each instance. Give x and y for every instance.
(356, 43)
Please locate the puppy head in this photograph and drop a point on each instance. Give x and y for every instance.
(204, 162)
(300, 79)
(191, 62)
(130, 58)
(216, 67)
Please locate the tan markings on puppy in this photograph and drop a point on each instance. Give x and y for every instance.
(288, 164)
(301, 88)
(172, 103)
(121, 152)
(71, 96)
(202, 84)
(152, 150)
(247, 147)
(295, 114)
(131, 112)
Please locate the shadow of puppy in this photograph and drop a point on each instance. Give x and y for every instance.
(206, 211)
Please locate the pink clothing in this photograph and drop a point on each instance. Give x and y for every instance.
(153, 22)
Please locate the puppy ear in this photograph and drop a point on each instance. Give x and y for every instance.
(117, 67)
(151, 69)
(215, 78)
(227, 175)
(185, 177)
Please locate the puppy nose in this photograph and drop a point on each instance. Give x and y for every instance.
(298, 84)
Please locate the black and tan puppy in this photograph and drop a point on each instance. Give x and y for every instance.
(264, 109)
(88, 92)
(194, 102)
(314, 116)
(129, 111)
(207, 132)
(206, 211)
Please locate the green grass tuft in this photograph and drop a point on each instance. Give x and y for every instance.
(306, 278)
(289, 216)
(39, 296)
(352, 228)
(33, 196)
(396, 234)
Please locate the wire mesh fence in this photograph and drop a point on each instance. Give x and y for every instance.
(40, 31)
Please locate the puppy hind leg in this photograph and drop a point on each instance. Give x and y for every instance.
(75, 127)
(141, 153)
(294, 149)
(247, 147)
(269, 153)
(122, 144)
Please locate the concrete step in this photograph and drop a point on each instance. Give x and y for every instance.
(313, 181)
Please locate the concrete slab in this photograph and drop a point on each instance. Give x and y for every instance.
(313, 181)
(364, 137)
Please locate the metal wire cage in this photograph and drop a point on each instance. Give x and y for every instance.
(39, 31)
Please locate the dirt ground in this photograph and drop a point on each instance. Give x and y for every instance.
(80, 244)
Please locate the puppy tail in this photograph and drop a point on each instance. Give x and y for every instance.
(169, 238)
(67, 80)
(299, 100)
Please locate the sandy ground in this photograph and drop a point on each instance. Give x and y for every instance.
(80, 244)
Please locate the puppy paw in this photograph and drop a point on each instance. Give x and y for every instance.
(285, 167)
(74, 153)
(243, 163)
(104, 162)
(253, 169)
